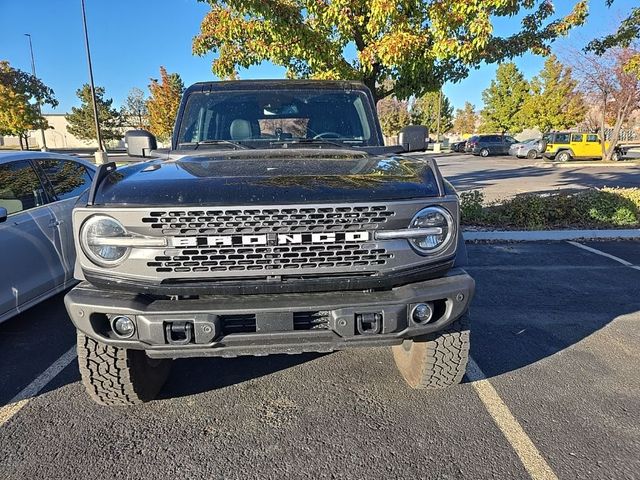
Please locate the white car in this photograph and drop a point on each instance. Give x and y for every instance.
(528, 148)
(37, 193)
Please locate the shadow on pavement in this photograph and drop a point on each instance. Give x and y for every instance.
(197, 375)
(535, 300)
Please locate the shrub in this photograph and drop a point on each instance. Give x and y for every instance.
(595, 208)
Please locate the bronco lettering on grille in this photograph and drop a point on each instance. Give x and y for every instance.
(269, 239)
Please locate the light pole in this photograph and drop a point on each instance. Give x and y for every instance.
(43, 147)
(100, 155)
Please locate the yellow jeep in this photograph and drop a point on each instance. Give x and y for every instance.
(565, 146)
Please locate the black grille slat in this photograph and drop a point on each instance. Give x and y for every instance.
(270, 258)
(311, 320)
(218, 222)
(238, 323)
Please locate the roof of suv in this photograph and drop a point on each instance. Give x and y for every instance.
(275, 84)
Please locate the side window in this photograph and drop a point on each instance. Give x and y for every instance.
(576, 137)
(510, 139)
(68, 179)
(592, 138)
(20, 188)
(562, 138)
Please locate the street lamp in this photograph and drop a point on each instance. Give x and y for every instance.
(33, 72)
(100, 155)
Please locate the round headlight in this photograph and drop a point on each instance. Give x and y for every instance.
(94, 239)
(440, 221)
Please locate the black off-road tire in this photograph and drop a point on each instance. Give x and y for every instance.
(118, 376)
(563, 156)
(435, 361)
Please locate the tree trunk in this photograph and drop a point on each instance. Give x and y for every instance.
(26, 142)
(21, 143)
(603, 142)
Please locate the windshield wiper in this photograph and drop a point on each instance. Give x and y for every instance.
(195, 145)
(311, 141)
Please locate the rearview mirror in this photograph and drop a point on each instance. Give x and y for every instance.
(3, 214)
(140, 143)
(414, 138)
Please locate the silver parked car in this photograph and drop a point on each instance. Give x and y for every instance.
(526, 148)
(37, 193)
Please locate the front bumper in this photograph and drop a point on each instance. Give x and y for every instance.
(232, 325)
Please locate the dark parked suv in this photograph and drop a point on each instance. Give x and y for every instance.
(485, 145)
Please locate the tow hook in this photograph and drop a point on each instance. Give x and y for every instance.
(369, 323)
(178, 333)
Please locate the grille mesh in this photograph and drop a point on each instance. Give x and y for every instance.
(269, 259)
(301, 257)
(268, 220)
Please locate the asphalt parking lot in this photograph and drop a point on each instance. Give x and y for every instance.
(555, 334)
(499, 177)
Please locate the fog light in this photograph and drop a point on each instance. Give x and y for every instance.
(123, 326)
(422, 313)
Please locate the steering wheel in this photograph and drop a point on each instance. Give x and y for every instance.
(327, 135)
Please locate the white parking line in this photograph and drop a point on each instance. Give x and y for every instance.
(531, 459)
(22, 399)
(605, 254)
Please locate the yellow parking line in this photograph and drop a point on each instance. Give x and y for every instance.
(531, 459)
(18, 402)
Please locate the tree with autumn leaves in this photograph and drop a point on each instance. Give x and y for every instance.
(163, 103)
(466, 119)
(21, 95)
(418, 44)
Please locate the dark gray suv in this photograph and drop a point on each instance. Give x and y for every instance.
(485, 145)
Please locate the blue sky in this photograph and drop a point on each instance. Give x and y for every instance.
(130, 39)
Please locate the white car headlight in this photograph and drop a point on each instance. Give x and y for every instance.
(441, 229)
(101, 240)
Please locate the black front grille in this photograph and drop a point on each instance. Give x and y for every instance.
(247, 323)
(268, 220)
(270, 258)
(241, 323)
(311, 320)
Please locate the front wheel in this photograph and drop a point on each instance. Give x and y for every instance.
(615, 156)
(118, 376)
(563, 156)
(532, 154)
(484, 152)
(437, 360)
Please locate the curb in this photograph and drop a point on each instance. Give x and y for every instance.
(578, 164)
(549, 235)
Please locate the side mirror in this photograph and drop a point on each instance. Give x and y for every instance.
(140, 143)
(414, 138)
(3, 214)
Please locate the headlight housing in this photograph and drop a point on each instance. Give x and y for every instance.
(441, 222)
(95, 236)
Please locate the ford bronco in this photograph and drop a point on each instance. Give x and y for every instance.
(277, 222)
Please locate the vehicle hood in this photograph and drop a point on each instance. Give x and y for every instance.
(269, 177)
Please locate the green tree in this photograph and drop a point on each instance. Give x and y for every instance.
(466, 119)
(420, 44)
(627, 33)
(81, 120)
(163, 103)
(134, 112)
(555, 102)
(21, 96)
(393, 115)
(425, 112)
(503, 101)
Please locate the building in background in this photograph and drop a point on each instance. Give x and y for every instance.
(57, 136)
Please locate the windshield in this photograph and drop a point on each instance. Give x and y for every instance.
(270, 118)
